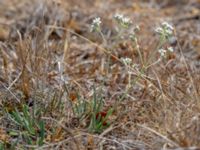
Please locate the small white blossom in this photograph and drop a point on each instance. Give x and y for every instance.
(118, 16)
(165, 30)
(97, 21)
(127, 61)
(159, 30)
(95, 26)
(122, 20)
(167, 25)
(126, 20)
(137, 28)
(162, 52)
(170, 49)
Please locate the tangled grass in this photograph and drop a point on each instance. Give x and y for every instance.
(122, 86)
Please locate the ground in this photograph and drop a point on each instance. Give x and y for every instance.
(65, 87)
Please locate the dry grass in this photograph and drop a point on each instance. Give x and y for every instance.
(49, 61)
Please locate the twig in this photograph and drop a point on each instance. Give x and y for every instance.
(162, 136)
(18, 100)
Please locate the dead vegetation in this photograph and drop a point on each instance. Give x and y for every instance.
(57, 78)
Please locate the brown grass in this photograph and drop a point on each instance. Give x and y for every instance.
(48, 57)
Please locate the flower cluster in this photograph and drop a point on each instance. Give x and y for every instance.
(165, 30)
(164, 51)
(126, 60)
(95, 26)
(122, 20)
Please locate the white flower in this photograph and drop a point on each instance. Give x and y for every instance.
(97, 21)
(162, 52)
(95, 26)
(127, 60)
(170, 49)
(159, 30)
(118, 16)
(122, 20)
(126, 20)
(165, 30)
(137, 28)
(167, 25)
